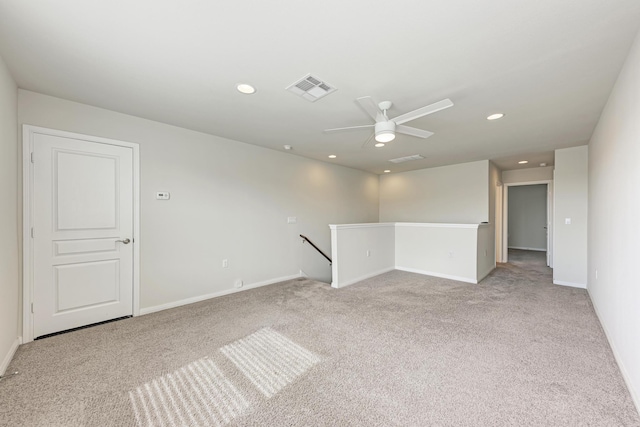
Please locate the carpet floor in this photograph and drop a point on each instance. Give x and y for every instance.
(399, 349)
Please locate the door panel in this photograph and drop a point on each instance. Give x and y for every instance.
(88, 246)
(83, 285)
(82, 207)
(85, 204)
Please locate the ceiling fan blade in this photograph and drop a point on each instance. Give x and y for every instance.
(408, 130)
(368, 140)
(368, 105)
(348, 128)
(420, 112)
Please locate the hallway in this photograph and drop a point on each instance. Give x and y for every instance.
(530, 263)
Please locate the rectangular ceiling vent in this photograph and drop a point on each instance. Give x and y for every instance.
(406, 159)
(311, 88)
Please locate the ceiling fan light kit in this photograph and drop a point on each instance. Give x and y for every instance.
(385, 128)
(385, 131)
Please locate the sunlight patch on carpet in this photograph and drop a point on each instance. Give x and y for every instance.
(197, 394)
(269, 360)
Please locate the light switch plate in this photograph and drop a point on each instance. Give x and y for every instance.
(162, 195)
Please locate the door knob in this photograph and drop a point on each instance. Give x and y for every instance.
(125, 241)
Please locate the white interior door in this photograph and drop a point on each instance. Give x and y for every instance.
(82, 244)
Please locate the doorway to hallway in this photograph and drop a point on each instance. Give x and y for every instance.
(527, 210)
(532, 263)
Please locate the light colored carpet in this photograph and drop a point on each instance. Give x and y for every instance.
(397, 350)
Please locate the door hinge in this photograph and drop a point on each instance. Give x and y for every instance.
(32, 157)
(32, 233)
(32, 308)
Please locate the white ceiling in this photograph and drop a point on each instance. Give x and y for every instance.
(548, 64)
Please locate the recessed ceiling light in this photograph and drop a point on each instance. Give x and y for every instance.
(523, 162)
(387, 171)
(332, 156)
(245, 88)
(380, 144)
(495, 116)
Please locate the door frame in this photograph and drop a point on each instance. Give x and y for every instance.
(505, 219)
(28, 132)
(499, 219)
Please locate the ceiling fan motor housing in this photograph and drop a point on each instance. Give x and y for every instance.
(385, 131)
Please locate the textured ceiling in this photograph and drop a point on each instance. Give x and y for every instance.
(549, 65)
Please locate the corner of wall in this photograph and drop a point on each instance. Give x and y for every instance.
(9, 219)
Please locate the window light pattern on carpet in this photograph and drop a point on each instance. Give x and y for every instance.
(269, 360)
(197, 394)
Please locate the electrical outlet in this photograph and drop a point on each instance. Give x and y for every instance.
(239, 283)
(368, 253)
(225, 263)
(292, 220)
(163, 195)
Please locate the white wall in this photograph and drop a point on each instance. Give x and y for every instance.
(450, 194)
(453, 251)
(528, 175)
(229, 200)
(9, 259)
(614, 220)
(441, 250)
(485, 253)
(570, 202)
(528, 217)
(360, 251)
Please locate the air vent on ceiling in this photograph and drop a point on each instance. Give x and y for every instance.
(311, 88)
(406, 159)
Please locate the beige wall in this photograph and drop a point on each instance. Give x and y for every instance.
(449, 194)
(495, 217)
(9, 259)
(229, 200)
(527, 175)
(614, 220)
(570, 201)
(495, 175)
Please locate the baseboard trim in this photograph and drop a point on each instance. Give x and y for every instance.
(528, 249)
(361, 278)
(570, 284)
(9, 356)
(186, 301)
(441, 275)
(635, 394)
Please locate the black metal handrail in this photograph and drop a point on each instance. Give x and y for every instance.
(306, 239)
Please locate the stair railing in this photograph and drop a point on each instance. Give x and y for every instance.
(306, 239)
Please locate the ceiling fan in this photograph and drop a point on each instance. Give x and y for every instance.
(385, 128)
